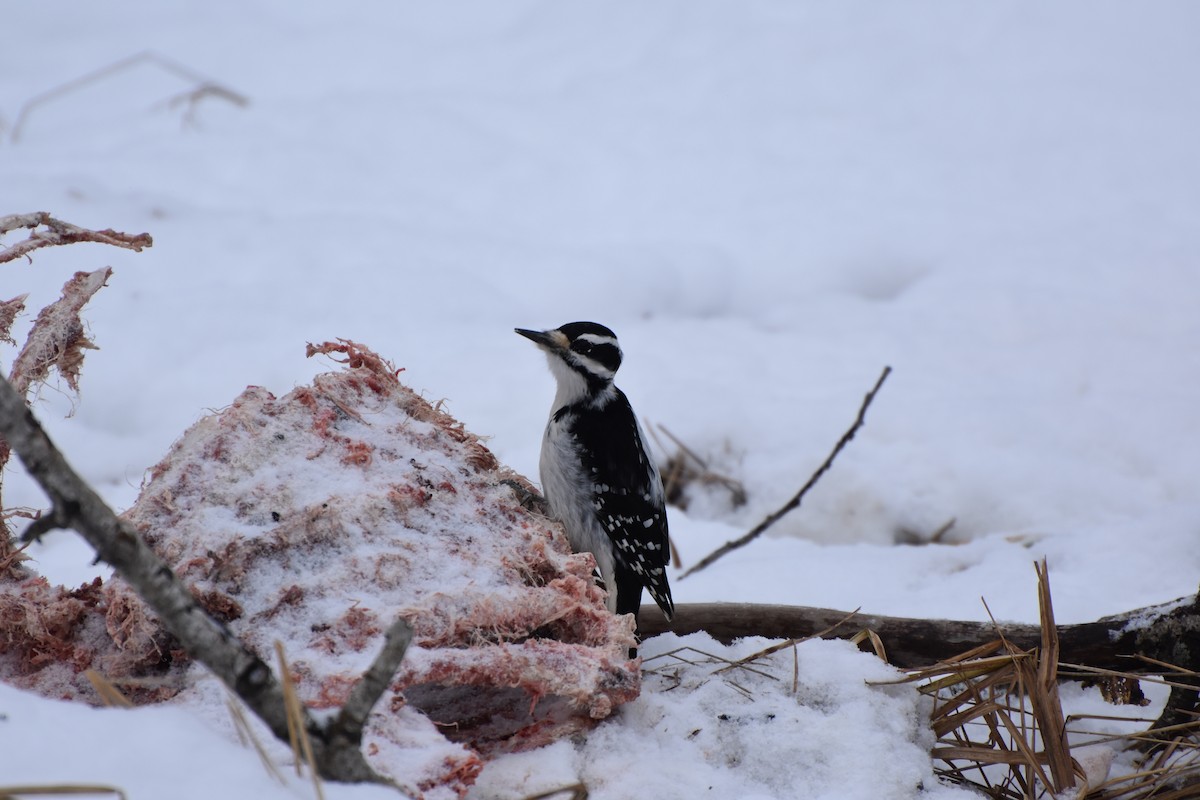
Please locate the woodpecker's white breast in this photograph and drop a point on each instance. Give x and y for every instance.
(569, 493)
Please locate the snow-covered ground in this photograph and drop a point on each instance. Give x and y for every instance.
(767, 201)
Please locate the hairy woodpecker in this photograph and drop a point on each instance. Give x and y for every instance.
(598, 478)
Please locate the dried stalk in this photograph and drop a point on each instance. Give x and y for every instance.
(202, 87)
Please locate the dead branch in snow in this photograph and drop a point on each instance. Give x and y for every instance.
(201, 88)
(75, 505)
(46, 231)
(1169, 632)
(794, 503)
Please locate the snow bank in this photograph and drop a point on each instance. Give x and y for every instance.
(814, 721)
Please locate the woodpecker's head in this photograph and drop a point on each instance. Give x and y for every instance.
(583, 356)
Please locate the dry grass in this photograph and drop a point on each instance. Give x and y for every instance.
(1000, 727)
(665, 665)
(247, 737)
(110, 695)
(297, 733)
(199, 88)
(686, 467)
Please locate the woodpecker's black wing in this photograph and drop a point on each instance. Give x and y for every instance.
(628, 498)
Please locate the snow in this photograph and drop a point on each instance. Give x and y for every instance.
(767, 202)
(752, 732)
(146, 753)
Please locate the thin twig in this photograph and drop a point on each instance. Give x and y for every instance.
(203, 86)
(792, 504)
(790, 643)
(683, 448)
(936, 538)
(56, 232)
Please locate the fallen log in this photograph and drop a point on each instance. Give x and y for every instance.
(1128, 642)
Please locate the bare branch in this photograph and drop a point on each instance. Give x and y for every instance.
(202, 86)
(57, 338)
(794, 503)
(54, 232)
(116, 542)
(12, 222)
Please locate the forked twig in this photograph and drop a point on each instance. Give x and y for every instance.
(202, 87)
(46, 231)
(792, 504)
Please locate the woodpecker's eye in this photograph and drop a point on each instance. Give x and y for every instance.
(582, 347)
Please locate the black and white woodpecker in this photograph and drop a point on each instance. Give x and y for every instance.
(598, 478)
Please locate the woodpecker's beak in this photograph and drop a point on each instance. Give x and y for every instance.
(549, 340)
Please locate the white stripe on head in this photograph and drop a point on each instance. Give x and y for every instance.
(596, 338)
(593, 366)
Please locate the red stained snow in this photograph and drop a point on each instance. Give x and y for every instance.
(316, 519)
(50, 635)
(355, 630)
(358, 454)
